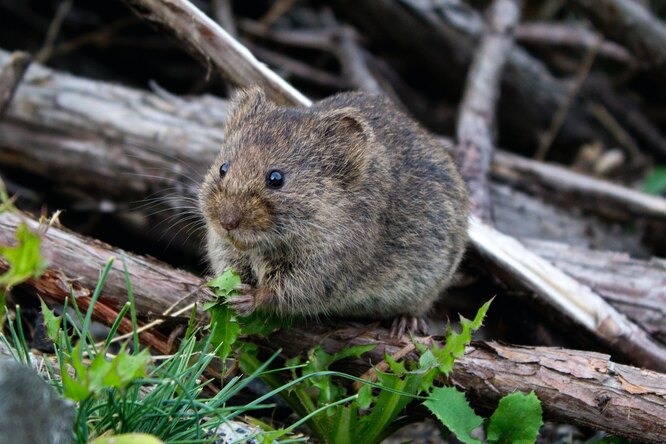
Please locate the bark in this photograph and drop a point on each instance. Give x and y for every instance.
(10, 77)
(633, 25)
(560, 35)
(580, 387)
(206, 40)
(476, 124)
(635, 287)
(558, 183)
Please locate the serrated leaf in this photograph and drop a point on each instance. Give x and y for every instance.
(224, 329)
(25, 260)
(517, 419)
(451, 407)
(127, 438)
(51, 322)
(225, 284)
(397, 368)
(74, 389)
(456, 342)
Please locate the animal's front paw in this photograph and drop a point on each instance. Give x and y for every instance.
(408, 324)
(249, 299)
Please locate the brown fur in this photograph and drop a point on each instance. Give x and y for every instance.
(371, 220)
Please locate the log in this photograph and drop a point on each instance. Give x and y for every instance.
(635, 287)
(574, 386)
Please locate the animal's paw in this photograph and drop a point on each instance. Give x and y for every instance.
(249, 299)
(408, 324)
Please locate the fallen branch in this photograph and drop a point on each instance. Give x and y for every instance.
(576, 36)
(633, 286)
(633, 25)
(476, 124)
(205, 39)
(10, 76)
(442, 40)
(559, 183)
(577, 387)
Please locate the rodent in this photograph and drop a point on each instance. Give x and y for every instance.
(347, 209)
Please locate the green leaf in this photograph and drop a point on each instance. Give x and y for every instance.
(225, 284)
(456, 342)
(364, 396)
(451, 407)
(74, 389)
(516, 420)
(25, 260)
(51, 321)
(127, 438)
(224, 330)
(655, 182)
(118, 372)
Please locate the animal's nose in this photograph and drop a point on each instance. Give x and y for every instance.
(230, 221)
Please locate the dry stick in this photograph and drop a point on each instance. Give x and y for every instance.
(52, 33)
(632, 24)
(10, 76)
(205, 39)
(477, 112)
(594, 194)
(298, 68)
(546, 140)
(577, 387)
(563, 35)
(353, 62)
(222, 10)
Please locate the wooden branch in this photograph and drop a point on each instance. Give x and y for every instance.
(633, 286)
(519, 266)
(571, 36)
(476, 124)
(205, 39)
(222, 10)
(517, 262)
(158, 288)
(10, 76)
(442, 38)
(578, 387)
(633, 25)
(597, 195)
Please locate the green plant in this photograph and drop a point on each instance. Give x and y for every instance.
(374, 413)
(24, 259)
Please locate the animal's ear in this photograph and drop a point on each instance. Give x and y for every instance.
(345, 126)
(246, 103)
(348, 134)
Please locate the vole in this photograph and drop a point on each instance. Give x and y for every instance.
(347, 209)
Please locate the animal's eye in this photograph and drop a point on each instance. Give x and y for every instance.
(223, 169)
(274, 179)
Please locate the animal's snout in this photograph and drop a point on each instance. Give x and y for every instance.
(230, 221)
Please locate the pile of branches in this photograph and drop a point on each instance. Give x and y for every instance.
(570, 248)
